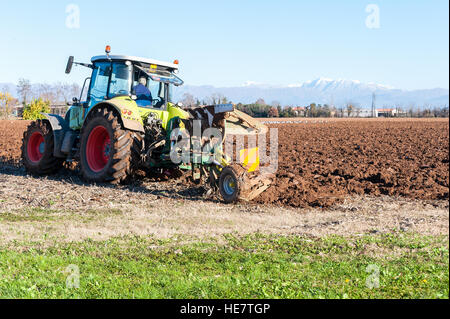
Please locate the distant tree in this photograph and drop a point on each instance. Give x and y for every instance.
(287, 112)
(74, 90)
(24, 89)
(444, 111)
(64, 92)
(214, 99)
(6, 104)
(312, 110)
(260, 102)
(273, 112)
(323, 111)
(350, 108)
(275, 103)
(58, 92)
(47, 93)
(224, 100)
(188, 100)
(333, 111)
(255, 110)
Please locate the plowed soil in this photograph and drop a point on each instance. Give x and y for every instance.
(323, 162)
(11, 133)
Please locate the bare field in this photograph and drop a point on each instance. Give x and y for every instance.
(336, 176)
(11, 133)
(323, 161)
(64, 209)
(350, 119)
(320, 164)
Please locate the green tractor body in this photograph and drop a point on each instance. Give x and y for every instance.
(117, 130)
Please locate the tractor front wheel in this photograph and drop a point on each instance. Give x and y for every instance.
(106, 149)
(37, 149)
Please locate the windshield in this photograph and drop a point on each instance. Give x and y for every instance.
(120, 80)
(120, 83)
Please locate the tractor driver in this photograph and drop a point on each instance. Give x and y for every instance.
(144, 96)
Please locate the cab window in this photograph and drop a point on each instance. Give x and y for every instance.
(99, 82)
(157, 90)
(120, 80)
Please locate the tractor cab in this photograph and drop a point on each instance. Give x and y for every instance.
(114, 76)
(146, 82)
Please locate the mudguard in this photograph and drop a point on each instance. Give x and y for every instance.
(128, 110)
(59, 127)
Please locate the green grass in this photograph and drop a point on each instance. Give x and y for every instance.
(40, 214)
(255, 266)
(36, 214)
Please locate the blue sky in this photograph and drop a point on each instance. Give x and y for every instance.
(226, 43)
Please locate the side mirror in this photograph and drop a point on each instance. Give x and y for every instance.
(69, 65)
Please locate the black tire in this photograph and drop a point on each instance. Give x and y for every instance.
(229, 194)
(117, 165)
(137, 151)
(38, 148)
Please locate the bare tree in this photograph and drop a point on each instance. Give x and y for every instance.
(350, 108)
(224, 100)
(188, 100)
(75, 91)
(260, 102)
(6, 104)
(66, 94)
(58, 92)
(47, 93)
(24, 89)
(215, 98)
(273, 112)
(275, 103)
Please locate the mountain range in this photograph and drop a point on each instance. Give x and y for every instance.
(323, 91)
(320, 91)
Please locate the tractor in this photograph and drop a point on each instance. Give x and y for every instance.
(128, 122)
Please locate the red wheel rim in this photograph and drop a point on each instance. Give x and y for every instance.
(36, 147)
(98, 149)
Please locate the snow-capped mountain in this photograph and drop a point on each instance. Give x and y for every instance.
(330, 84)
(324, 91)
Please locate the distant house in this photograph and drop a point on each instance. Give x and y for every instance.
(391, 113)
(386, 112)
(299, 111)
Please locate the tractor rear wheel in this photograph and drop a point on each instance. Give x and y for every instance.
(106, 150)
(37, 149)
